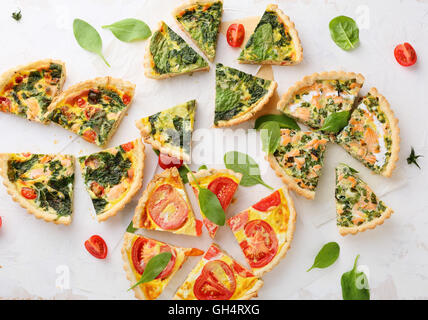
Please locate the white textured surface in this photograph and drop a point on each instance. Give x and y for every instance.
(396, 254)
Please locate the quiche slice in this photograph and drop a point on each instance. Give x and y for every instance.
(170, 130)
(41, 183)
(372, 135)
(264, 231)
(274, 41)
(164, 206)
(218, 276)
(298, 160)
(223, 182)
(239, 95)
(28, 90)
(317, 96)
(357, 206)
(168, 55)
(113, 176)
(200, 20)
(93, 109)
(137, 252)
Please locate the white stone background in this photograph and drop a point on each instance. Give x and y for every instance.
(395, 254)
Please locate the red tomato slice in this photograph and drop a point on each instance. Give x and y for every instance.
(239, 221)
(29, 193)
(216, 282)
(97, 247)
(211, 227)
(128, 146)
(167, 208)
(126, 99)
(262, 243)
(235, 35)
(212, 252)
(97, 189)
(81, 103)
(194, 252)
(4, 104)
(224, 188)
(244, 273)
(90, 135)
(165, 161)
(198, 227)
(405, 54)
(269, 202)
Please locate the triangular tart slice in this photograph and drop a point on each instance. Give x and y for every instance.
(372, 135)
(264, 231)
(223, 182)
(218, 276)
(298, 160)
(239, 95)
(168, 55)
(113, 176)
(200, 20)
(357, 206)
(319, 95)
(41, 183)
(164, 206)
(170, 130)
(274, 41)
(137, 252)
(27, 91)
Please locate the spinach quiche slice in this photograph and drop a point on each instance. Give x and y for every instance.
(113, 176)
(168, 55)
(274, 41)
(239, 95)
(357, 206)
(170, 130)
(93, 109)
(372, 135)
(28, 90)
(41, 183)
(137, 252)
(200, 20)
(298, 160)
(319, 95)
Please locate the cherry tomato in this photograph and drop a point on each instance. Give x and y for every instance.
(97, 247)
(4, 104)
(19, 79)
(216, 282)
(244, 273)
(165, 161)
(235, 35)
(90, 111)
(405, 54)
(224, 188)
(269, 202)
(128, 146)
(81, 103)
(239, 221)
(126, 99)
(97, 189)
(29, 193)
(90, 135)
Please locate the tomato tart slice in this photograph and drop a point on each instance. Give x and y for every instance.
(223, 182)
(217, 276)
(113, 176)
(264, 231)
(137, 252)
(164, 206)
(41, 183)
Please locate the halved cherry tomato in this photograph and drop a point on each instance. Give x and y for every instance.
(81, 103)
(224, 188)
(26, 154)
(90, 135)
(269, 202)
(244, 273)
(126, 99)
(167, 208)
(97, 189)
(96, 246)
(239, 221)
(90, 111)
(198, 227)
(405, 54)
(165, 161)
(4, 104)
(19, 79)
(235, 35)
(216, 282)
(29, 193)
(128, 146)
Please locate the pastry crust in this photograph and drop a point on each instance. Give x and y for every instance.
(209, 172)
(371, 225)
(24, 203)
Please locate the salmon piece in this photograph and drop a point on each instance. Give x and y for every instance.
(302, 113)
(116, 191)
(292, 153)
(353, 181)
(370, 136)
(33, 108)
(300, 162)
(370, 158)
(285, 139)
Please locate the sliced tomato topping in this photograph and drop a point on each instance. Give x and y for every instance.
(29, 193)
(4, 104)
(211, 227)
(194, 252)
(216, 282)
(97, 189)
(26, 154)
(224, 188)
(235, 35)
(81, 103)
(198, 227)
(90, 112)
(128, 146)
(405, 54)
(97, 247)
(244, 273)
(212, 252)
(269, 202)
(239, 221)
(126, 99)
(90, 135)
(19, 79)
(165, 161)
(167, 208)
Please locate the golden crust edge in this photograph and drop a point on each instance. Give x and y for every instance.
(371, 225)
(209, 172)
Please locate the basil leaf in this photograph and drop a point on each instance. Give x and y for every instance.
(270, 133)
(131, 228)
(129, 30)
(263, 41)
(244, 164)
(183, 174)
(326, 256)
(202, 167)
(335, 122)
(226, 99)
(283, 121)
(154, 267)
(211, 207)
(88, 38)
(355, 284)
(156, 151)
(344, 32)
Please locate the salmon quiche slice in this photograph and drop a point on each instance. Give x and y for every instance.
(264, 231)
(274, 41)
(223, 182)
(93, 109)
(372, 135)
(218, 276)
(239, 95)
(27, 91)
(357, 206)
(113, 176)
(200, 20)
(298, 160)
(137, 252)
(168, 55)
(319, 95)
(164, 206)
(41, 183)
(170, 130)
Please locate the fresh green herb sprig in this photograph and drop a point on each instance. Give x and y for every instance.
(326, 256)
(128, 30)
(17, 15)
(344, 32)
(355, 284)
(413, 157)
(153, 268)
